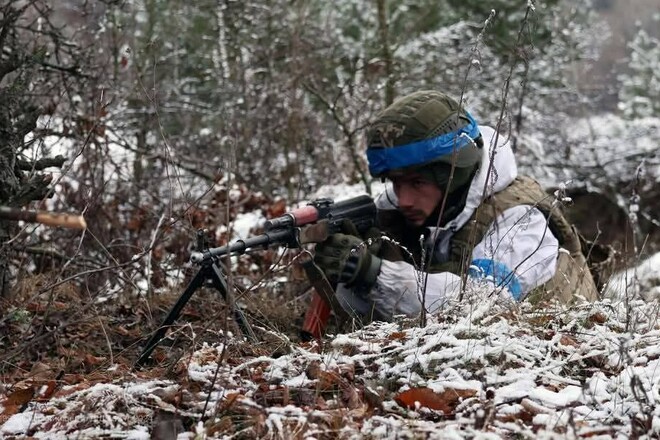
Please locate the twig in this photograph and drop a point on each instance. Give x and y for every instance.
(215, 377)
(151, 246)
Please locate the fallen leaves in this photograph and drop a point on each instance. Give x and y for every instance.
(17, 399)
(355, 386)
(568, 340)
(445, 401)
(598, 318)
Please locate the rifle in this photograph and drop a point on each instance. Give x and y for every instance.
(72, 221)
(312, 223)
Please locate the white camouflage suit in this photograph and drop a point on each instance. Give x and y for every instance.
(519, 241)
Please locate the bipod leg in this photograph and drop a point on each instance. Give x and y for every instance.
(220, 284)
(172, 316)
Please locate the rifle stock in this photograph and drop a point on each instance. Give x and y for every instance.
(72, 221)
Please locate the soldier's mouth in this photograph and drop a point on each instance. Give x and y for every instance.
(414, 217)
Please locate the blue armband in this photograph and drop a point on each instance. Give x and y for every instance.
(498, 273)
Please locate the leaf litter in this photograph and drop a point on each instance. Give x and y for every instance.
(481, 369)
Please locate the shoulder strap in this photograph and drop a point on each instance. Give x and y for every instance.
(522, 191)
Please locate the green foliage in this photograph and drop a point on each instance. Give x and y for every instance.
(18, 316)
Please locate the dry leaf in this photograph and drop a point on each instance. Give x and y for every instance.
(72, 389)
(313, 370)
(426, 397)
(46, 393)
(93, 361)
(41, 371)
(159, 355)
(17, 399)
(328, 380)
(168, 395)
(277, 209)
(347, 371)
(223, 426)
(598, 318)
(396, 335)
(523, 416)
(35, 307)
(602, 432)
(351, 397)
(122, 330)
(541, 320)
(229, 401)
(568, 340)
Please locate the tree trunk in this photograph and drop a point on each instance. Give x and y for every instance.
(384, 32)
(8, 186)
(18, 117)
(9, 183)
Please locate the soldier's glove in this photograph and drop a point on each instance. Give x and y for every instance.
(345, 258)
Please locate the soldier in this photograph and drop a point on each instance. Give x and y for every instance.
(455, 202)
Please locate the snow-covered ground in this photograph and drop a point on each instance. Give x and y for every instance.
(480, 370)
(641, 281)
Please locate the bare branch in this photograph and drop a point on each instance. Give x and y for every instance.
(41, 164)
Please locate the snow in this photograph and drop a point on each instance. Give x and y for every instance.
(562, 372)
(20, 423)
(245, 222)
(586, 370)
(535, 374)
(643, 279)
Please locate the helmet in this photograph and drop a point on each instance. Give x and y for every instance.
(428, 132)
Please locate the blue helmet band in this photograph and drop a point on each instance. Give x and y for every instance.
(382, 160)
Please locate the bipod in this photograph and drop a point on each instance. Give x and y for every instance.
(209, 275)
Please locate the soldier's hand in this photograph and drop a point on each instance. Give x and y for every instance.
(371, 237)
(345, 259)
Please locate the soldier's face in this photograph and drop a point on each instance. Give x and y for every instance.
(417, 196)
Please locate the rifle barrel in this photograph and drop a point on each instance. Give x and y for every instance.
(278, 236)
